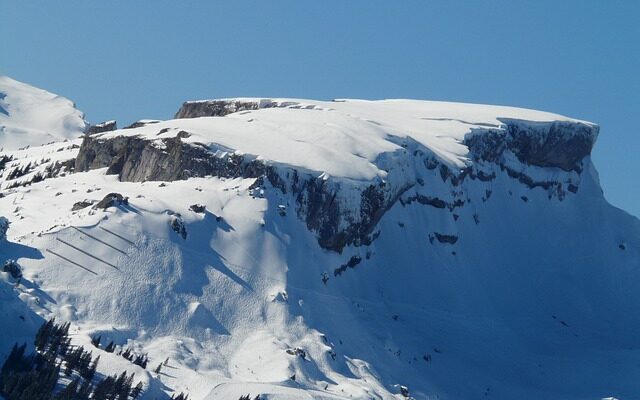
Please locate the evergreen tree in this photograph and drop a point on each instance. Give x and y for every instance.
(14, 361)
(36, 384)
(85, 390)
(43, 334)
(95, 341)
(72, 360)
(90, 371)
(181, 396)
(127, 354)
(65, 346)
(70, 392)
(141, 360)
(136, 391)
(123, 386)
(110, 347)
(84, 363)
(105, 389)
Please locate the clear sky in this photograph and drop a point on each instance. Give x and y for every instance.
(129, 60)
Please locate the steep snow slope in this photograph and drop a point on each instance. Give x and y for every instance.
(30, 116)
(488, 265)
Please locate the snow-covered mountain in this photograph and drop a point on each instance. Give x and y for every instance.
(331, 250)
(31, 117)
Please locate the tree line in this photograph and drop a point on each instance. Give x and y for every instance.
(35, 376)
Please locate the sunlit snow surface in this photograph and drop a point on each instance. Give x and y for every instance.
(342, 138)
(536, 300)
(30, 116)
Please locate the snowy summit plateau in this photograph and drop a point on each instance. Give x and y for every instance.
(299, 249)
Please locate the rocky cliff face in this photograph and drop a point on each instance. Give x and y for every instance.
(343, 212)
(106, 126)
(555, 144)
(219, 108)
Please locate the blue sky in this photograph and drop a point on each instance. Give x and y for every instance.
(133, 59)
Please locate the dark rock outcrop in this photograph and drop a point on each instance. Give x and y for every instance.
(141, 123)
(214, 108)
(135, 159)
(177, 225)
(433, 202)
(81, 204)
(352, 263)
(297, 351)
(106, 126)
(557, 144)
(220, 108)
(448, 239)
(112, 200)
(198, 208)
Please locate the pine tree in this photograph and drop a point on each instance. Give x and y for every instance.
(110, 347)
(84, 364)
(105, 389)
(65, 346)
(91, 370)
(127, 354)
(136, 391)
(122, 386)
(37, 384)
(158, 368)
(85, 390)
(72, 360)
(141, 360)
(43, 334)
(95, 341)
(14, 360)
(181, 396)
(70, 392)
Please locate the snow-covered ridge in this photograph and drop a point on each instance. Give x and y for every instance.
(30, 116)
(344, 138)
(348, 161)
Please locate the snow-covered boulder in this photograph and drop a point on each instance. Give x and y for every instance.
(111, 200)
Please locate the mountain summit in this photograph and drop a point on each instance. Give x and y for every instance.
(30, 116)
(343, 249)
